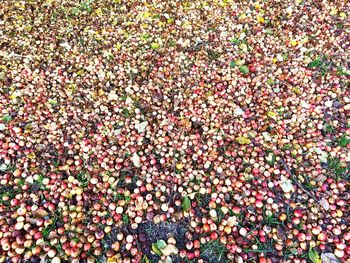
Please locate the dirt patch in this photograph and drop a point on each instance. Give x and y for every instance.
(149, 233)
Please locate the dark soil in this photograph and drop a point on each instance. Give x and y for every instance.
(149, 233)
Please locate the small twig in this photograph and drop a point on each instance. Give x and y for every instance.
(296, 181)
(196, 46)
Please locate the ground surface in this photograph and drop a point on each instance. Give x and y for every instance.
(180, 131)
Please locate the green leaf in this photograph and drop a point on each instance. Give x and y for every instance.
(296, 90)
(161, 244)
(155, 46)
(327, 128)
(156, 250)
(316, 63)
(272, 115)
(186, 204)
(244, 69)
(80, 72)
(270, 81)
(145, 259)
(343, 72)
(343, 141)
(31, 155)
(243, 140)
(28, 128)
(269, 31)
(156, 247)
(313, 256)
(232, 64)
(75, 11)
(234, 41)
(239, 62)
(53, 102)
(6, 118)
(145, 36)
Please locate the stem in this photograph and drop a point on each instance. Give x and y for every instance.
(296, 181)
